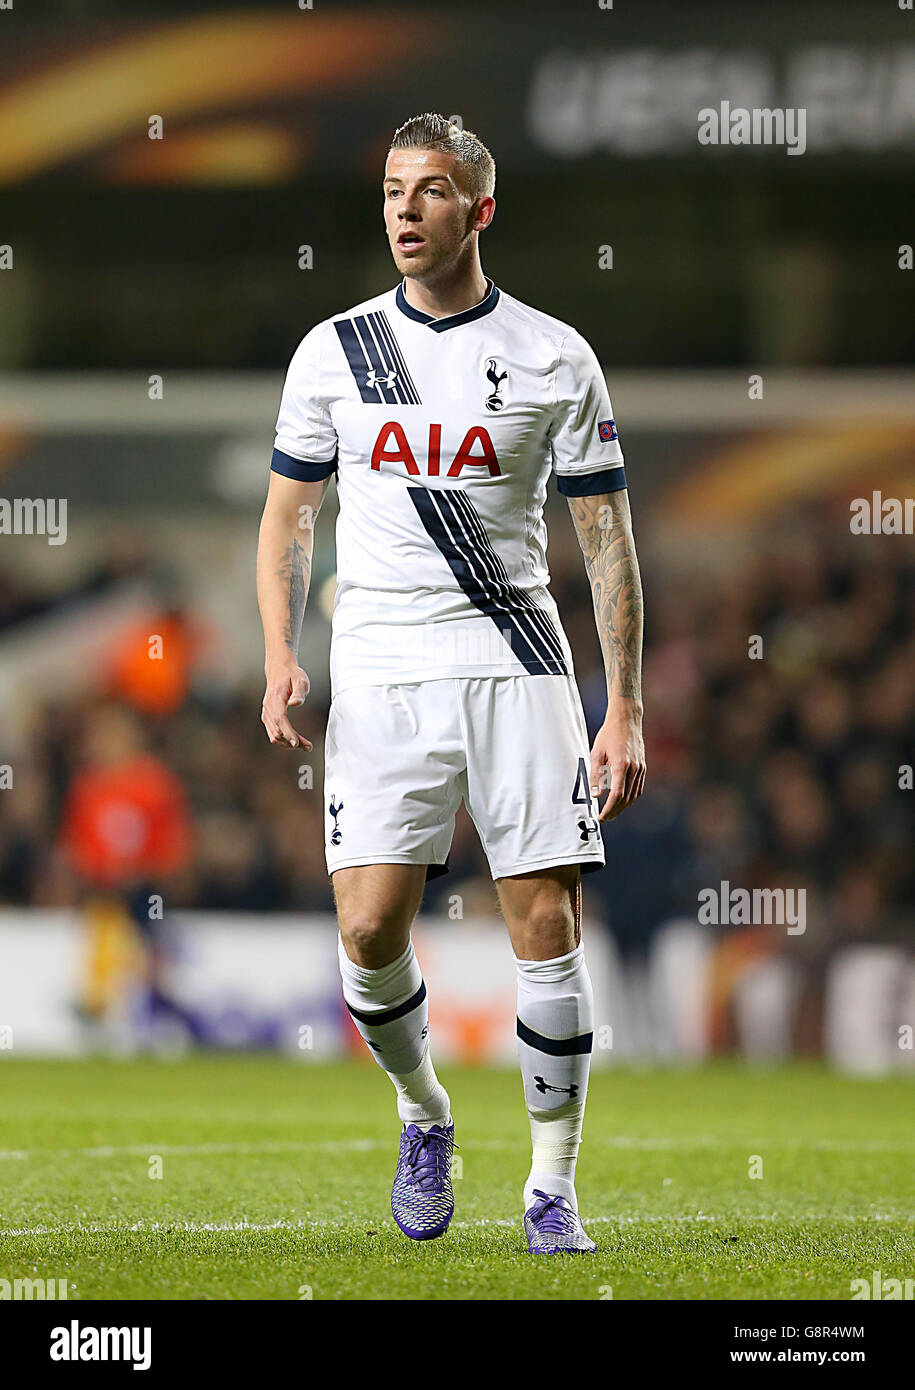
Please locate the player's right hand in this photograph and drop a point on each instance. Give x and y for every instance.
(286, 687)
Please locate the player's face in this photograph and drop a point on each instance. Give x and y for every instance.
(429, 218)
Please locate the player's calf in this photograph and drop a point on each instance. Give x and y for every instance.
(555, 1031)
(390, 1010)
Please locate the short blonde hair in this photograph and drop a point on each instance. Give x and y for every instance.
(434, 132)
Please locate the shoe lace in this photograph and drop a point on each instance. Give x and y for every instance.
(551, 1217)
(428, 1154)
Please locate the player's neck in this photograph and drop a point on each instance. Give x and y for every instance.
(463, 290)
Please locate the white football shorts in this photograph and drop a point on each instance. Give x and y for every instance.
(399, 759)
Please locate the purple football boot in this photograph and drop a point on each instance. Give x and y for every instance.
(421, 1199)
(553, 1227)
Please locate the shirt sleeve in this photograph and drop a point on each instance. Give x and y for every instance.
(587, 458)
(306, 441)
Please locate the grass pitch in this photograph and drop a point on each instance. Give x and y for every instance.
(275, 1183)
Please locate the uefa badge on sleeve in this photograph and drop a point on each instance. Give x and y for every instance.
(606, 430)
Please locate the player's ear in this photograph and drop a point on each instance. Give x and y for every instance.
(483, 213)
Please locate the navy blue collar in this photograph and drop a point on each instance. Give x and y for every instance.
(485, 306)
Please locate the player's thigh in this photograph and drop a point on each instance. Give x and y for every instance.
(376, 905)
(393, 775)
(528, 774)
(542, 911)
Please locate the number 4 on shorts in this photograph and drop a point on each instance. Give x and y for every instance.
(583, 786)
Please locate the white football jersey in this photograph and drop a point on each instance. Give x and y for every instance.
(442, 433)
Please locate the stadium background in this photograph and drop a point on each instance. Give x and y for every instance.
(133, 775)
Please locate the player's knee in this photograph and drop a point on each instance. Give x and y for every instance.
(373, 939)
(548, 929)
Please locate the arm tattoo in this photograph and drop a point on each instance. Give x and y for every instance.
(295, 573)
(604, 530)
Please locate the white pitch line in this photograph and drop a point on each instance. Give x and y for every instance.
(231, 1227)
(242, 1147)
(620, 1141)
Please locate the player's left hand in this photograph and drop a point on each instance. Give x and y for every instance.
(618, 761)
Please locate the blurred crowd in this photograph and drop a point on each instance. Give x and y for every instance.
(780, 707)
(780, 699)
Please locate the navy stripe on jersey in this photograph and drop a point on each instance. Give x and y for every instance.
(391, 350)
(612, 479)
(454, 525)
(383, 379)
(495, 569)
(375, 360)
(358, 363)
(534, 621)
(380, 358)
(365, 362)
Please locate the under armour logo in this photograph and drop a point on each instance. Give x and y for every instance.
(337, 834)
(494, 401)
(586, 828)
(375, 378)
(544, 1086)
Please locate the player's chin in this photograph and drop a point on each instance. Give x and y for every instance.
(412, 262)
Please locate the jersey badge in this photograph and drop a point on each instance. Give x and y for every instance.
(494, 401)
(337, 834)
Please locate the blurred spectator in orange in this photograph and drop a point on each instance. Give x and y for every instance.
(125, 817)
(125, 828)
(152, 663)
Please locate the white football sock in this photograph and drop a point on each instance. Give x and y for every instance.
(555, 1034)
(390, 1010)
(421, 1098)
